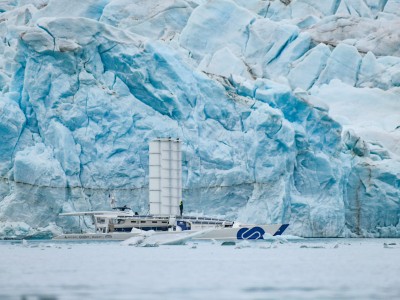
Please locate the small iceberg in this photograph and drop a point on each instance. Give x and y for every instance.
(228, 243)
(151, 239)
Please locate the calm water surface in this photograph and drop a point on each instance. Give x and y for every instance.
(298, 269)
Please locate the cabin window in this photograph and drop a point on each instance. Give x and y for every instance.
(101, 220)
(133, 221)
(119, 221)
(153, 221)
(142, 221)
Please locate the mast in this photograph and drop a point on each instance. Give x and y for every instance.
(165, 176)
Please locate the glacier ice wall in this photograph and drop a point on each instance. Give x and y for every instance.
(287, 110)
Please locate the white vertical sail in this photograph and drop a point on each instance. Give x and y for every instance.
(165, 176)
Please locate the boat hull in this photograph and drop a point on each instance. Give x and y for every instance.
(115, 236)
(244, 232)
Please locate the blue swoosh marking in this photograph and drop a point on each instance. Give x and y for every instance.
(254, 233)
(281, 229)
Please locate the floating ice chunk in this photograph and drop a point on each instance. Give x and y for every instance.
(228, 243)
(289, 237)
(133, 241)
(15, 230)
(266, 246)
(281, 239)
(312, 247)
(142, 232)
(152, 238)
(243, 244)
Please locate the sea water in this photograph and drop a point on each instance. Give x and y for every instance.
(275, 269)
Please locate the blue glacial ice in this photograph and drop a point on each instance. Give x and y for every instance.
(287, 110)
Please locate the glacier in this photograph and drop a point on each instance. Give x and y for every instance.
(288, 110)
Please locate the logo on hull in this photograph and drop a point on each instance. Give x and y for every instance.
(254, 233)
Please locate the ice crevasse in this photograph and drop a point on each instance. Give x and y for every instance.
(288, 110)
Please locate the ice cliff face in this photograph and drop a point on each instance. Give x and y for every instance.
(288, 110)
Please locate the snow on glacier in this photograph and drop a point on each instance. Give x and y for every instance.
(287, 110)
(372, 113)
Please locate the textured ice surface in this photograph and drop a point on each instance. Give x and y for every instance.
(287, 110)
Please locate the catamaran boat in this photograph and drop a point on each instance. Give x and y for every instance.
(165, 194)
(123, 224)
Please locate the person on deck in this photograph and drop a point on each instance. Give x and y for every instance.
(181, 207)
(112, 200)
